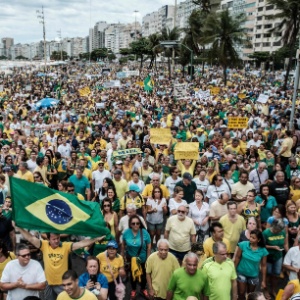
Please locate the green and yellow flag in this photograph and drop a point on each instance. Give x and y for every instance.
(148, 84)
(38, 207)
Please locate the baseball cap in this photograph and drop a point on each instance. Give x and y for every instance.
(112, 244)
(134, 188)
(187, 175)
(119, 162)
(100, 162)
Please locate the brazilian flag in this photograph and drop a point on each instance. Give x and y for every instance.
(38, 207)
(148, 84)
(57, 90)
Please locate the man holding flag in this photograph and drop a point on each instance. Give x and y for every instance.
(55, 258)
(148, 84)
(40, 208)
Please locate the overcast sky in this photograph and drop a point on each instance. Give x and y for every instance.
(18, 18)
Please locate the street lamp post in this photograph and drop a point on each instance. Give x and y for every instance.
(41, 16)
(61, 44)
(173, 44)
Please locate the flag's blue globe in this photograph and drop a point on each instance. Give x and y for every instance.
(58, 211)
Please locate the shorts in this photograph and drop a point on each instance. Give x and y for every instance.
(246, 279)
(153, 227)
(177, 254)
(274, 268)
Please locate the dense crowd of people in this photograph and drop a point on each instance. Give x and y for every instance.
(222, 226)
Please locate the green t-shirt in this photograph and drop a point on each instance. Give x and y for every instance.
(219, 278)
(183, 285)
(274, 239)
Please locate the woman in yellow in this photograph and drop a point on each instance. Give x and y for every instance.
(292, 288)
(127, 167)
(186, 165)
(5, 257)
(295, 188)
(109, 215)
(243, 143)
(212, 170)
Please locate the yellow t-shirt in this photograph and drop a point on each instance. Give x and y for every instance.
(147, 192)
(102, 142)
(55, 261)
(287, 142)
(121, 187)
(180, 233)
(183, 169)
(137, 201)
(232, 231)
(296, 194)
(10, 257)
(160, 280)
(237, 150)
(26, 176)
(86, 295)
(115, 264)
(208, 246)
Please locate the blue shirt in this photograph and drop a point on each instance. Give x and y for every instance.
(85, 277)
(133, 243)
(250, 259)
(80, 184)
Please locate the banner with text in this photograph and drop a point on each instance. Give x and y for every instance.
(237, 122)
(186, 151)
(160, 136)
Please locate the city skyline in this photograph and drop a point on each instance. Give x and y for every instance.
(73, 20)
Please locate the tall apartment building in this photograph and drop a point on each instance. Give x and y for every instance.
(97, 35)
(258, 24)
(7, 43)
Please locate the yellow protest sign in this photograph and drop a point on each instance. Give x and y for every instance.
(237, 122)
(241, 96)
(160, 136)
(186, 151)
(84, 91)
(215, 90)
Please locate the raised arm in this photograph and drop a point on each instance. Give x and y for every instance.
(30, 238)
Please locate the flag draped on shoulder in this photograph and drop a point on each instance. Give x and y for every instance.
(38, 207)
(148, 84)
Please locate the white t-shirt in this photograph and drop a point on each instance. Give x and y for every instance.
(199, 214)
(32, 273)
(202, 185)
(98, 177)
(292, 258)
(174, 205)
(157, 217)
(214, 192)
(31, 165)
(65, 151)
(170, 184)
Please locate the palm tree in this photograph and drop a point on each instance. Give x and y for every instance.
(170, 35)
(154, 40)
(194, 33)
(289, 14)
(225, 32)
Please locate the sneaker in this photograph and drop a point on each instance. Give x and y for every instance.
(145, 294)
(132, 295)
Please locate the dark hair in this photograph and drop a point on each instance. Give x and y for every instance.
(200, 192)
(136, 173)
(114, 190)
(109, 184)
(4, 249)
(39, 160)
(282, 210)
(39, 174)
(254, 295)
(31, 298)
(231, 203)
(261, 243)
(49, 158)
(48, 234)
(214, 225)
(102, 205)
(243, 172)
(172, 169)
(215, 178)
(70, 274)
(135, 217)
(51, 154)
(70, 184)
(160, 190)
(57, 154)
(253, 191)
(263, 197)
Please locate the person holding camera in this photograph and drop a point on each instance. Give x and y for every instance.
(93, 280)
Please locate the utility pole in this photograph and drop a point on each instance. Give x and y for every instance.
(173, 49)
(135, 12)
(61, 44)
(41, 16)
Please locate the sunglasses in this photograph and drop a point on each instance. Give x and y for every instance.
(156, 191)
(72, 190)
(25, 255)
(107, 205)
(135, 223)
(181, 211)
(36, 177)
